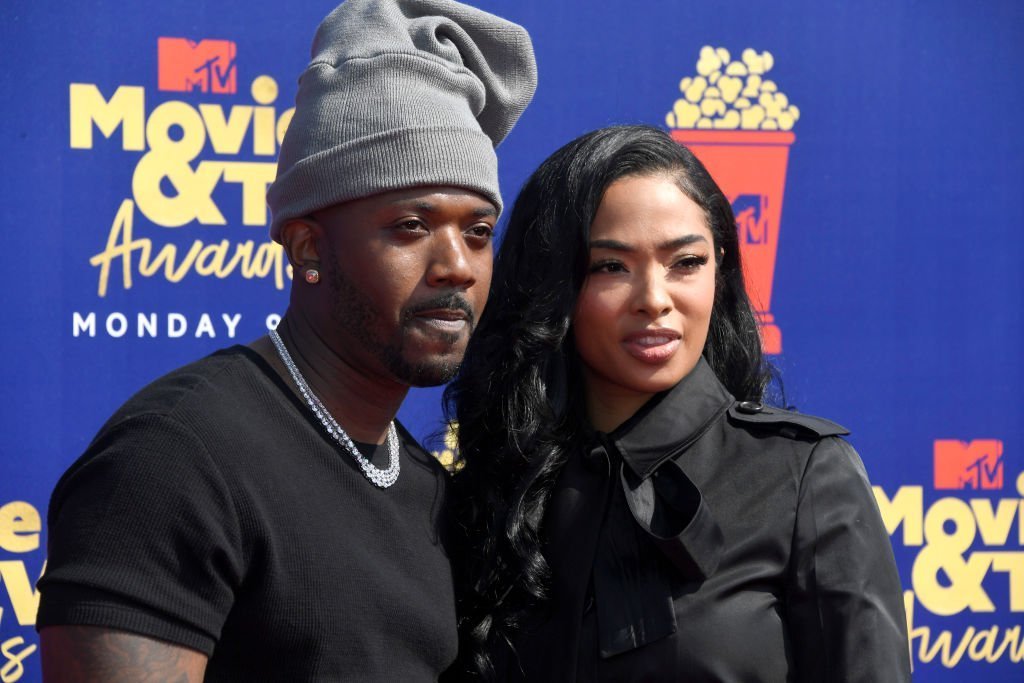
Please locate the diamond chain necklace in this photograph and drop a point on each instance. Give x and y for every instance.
(377, 476)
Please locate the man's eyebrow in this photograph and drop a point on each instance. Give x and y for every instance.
(419, 205)
(428, 207)
(485, 212)
(616, 245)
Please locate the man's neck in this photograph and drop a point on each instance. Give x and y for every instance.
(363, 402)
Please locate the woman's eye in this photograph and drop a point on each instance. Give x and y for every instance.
(690, 263)
(608, 267)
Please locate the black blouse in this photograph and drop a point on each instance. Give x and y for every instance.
(710, 540)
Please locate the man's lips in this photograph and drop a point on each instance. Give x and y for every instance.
(444, 319)
(652, 346)
(449, 313)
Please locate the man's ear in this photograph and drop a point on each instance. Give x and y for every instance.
(300, 237)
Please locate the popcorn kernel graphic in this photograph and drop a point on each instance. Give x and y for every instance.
(448, 456)
(737, 84)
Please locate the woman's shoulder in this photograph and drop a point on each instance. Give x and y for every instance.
(790, 424)
(766, 436)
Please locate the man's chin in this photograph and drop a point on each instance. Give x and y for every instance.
(433, 376)
(430, 371)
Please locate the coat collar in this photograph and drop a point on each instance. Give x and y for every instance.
(671, 421)
(656, 507)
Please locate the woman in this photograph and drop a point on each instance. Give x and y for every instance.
(631, 511)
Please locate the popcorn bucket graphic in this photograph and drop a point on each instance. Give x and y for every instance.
(739, 125)
(750, 167)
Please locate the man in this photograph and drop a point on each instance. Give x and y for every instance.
(223, 524)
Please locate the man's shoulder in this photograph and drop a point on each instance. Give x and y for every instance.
(191, 404)
(176, 423)
(215, 382)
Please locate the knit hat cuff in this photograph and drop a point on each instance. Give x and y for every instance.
(391, 160)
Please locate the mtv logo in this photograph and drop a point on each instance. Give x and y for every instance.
(974, 465)
(751, 211)
(207, 66)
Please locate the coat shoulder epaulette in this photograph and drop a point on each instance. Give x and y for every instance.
(787, 422)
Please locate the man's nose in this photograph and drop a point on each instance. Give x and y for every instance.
(451, 265)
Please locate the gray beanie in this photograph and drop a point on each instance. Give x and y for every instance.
(401, 93)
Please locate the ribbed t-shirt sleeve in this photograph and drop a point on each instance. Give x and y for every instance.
(143, 537)
(844, 604)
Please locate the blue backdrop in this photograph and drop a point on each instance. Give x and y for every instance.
(892, 273)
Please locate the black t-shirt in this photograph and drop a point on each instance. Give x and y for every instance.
(213, 511)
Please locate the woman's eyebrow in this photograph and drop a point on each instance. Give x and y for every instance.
(616, 245)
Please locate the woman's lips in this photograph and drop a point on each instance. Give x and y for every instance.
(652, 346)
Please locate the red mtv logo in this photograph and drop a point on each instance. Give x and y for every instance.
(207, 66)
(751, 211)
(974, 465)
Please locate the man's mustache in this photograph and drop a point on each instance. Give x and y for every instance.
(451, 301)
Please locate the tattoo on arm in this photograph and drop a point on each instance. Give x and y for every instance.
(87, 653)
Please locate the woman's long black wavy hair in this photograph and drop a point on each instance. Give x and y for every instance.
(518, 398)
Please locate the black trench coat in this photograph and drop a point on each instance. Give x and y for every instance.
(710, 540)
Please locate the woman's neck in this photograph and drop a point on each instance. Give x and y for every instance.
(608, 405)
